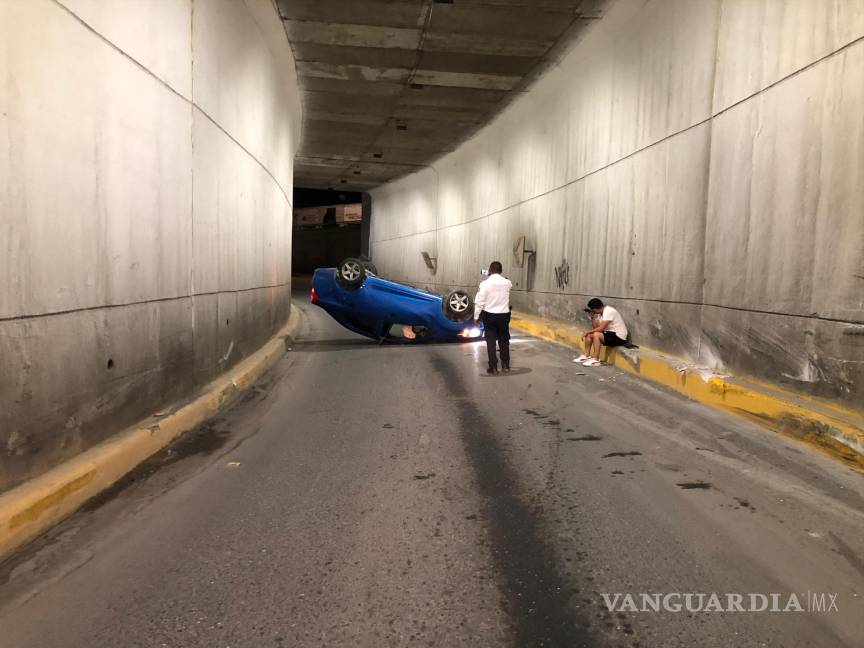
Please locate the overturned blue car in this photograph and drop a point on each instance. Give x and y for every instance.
(387, 311)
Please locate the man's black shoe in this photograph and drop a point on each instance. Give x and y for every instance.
(491, 370)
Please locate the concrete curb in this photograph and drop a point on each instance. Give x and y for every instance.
(833, 429)
(33, 507)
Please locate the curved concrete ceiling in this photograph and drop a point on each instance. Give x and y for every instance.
(390, 85)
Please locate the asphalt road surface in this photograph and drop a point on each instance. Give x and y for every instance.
(365, 495)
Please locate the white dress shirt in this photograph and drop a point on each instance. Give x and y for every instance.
(493, 296)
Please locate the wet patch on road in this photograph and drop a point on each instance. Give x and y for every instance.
(743, 503)
(697, 485)
(587, 437)
(632, 453)
(545, 420)
(535, 414)
(203, 440)
(254, 393)
(537, 593)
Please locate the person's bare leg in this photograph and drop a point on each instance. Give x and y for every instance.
(597, 343)
(586, 350)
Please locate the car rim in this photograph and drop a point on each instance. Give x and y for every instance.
(459, 303)
(350, 271)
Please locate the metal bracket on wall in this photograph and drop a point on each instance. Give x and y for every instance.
(430, 261)
(519, 252)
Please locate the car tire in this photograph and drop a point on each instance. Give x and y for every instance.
(351, 273)
(370, 268)
(458, 306)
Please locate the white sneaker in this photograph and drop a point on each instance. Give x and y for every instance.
(591, 362)
(582, 358)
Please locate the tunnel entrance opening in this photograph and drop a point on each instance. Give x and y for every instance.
(328, 226)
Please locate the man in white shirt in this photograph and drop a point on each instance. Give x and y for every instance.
(608, 329)
(492, 307)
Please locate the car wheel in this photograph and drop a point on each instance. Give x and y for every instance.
(370, 268)
(351, 273)
(458, 306)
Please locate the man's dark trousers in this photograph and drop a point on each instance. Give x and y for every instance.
(497, 329)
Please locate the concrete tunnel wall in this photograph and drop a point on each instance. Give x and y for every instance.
(696, 163)
(145, 221)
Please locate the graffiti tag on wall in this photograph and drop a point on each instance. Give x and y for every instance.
(562, 274)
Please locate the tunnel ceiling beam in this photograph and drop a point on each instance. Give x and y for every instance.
(389, 86)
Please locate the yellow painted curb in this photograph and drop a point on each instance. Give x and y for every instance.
(31, 508)
(833, 429)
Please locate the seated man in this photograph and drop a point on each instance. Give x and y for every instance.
(608, 329)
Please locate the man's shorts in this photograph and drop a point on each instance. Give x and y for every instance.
(610, 339)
